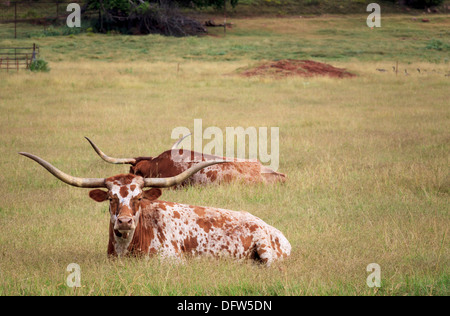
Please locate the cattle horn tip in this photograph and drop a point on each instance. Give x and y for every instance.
(110, 159)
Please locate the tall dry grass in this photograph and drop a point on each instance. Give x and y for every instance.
(366, 159)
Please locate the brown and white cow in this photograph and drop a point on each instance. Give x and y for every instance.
(143, 225)
(175, 161)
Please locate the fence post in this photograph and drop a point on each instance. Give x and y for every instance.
(33, 57)
(15, 19)
(224, 17)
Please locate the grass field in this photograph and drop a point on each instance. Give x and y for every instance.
(367, 158)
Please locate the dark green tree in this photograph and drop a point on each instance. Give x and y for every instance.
(419, 4)
(124, 6)
(206, 3)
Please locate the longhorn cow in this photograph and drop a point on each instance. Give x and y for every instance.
(164, 165)
(142, 225)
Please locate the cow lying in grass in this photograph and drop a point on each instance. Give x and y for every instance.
(143, 225)
(175, 161)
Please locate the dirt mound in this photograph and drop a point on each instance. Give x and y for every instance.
(293, 67)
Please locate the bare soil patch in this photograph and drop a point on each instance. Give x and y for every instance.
(293, 67)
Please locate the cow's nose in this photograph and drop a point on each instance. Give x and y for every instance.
(125, 220)
(124, 223)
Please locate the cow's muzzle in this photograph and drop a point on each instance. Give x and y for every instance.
(124, 224)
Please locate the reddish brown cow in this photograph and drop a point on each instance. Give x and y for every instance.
(142, 225)
(164, 165)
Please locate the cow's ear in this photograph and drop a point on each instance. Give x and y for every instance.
(98, 195)
(152, 194)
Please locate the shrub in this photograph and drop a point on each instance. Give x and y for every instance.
(437, 45)
(39, 65)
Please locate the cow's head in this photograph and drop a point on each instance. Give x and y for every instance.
(125, 195)
(125, 192)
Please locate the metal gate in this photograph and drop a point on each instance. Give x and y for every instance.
(15, 58)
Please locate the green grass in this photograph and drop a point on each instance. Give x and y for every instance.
(366, 158)
(338, 39)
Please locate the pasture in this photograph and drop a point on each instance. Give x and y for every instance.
(367, 157)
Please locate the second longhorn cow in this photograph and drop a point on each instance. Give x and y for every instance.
(175, 161)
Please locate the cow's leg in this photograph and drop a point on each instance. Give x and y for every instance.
(263, 253)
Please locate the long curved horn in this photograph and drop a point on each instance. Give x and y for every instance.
(175, 146)
(110, 159)
(64, 177)
(171, 181)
